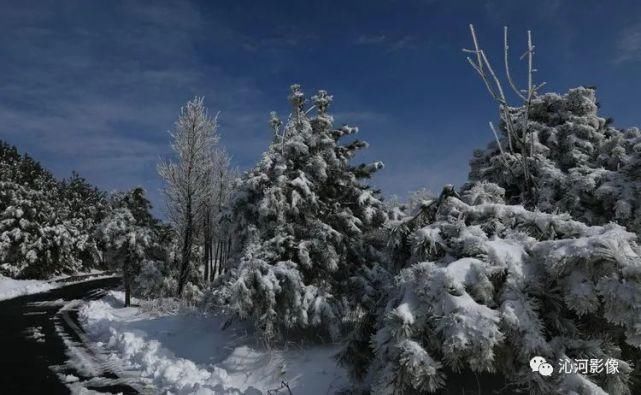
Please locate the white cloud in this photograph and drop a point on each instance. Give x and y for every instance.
(390, 44)
(366, 39)
(99, 97)
(629, 44)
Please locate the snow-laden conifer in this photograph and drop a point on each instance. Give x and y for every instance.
(580, 164)
(34, 242)
(136, 244)
(126, 244)
(303, 215)
(46, 226)
(554, 152)
(487, 286)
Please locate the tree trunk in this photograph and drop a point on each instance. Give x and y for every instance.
(206, 237)
(217, 260)
(210, 254)
(227, 252)
(223, 256)
(186, 250)
(126, 282)
(206, 262)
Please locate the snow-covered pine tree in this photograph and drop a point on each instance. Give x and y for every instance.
(555, 153)
(82, 200)
(487, 286)
(138, 205)
(130, 235)
(126, 245)
(34, 242)
(50, 227)
(23, 170)
(580, 163)
(39, 235)
(153, 272)
(84, 206)
(304, 215)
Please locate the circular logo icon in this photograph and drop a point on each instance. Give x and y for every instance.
(540, 365)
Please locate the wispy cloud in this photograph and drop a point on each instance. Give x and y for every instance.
(629, 44)
(390, 44)
(99, 98)
(370, 39)
(404, 42)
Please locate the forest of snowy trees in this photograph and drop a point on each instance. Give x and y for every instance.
(537, 254)
(47, 226)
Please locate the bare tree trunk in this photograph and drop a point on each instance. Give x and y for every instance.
(227, 251)
(217, 260)
(212, 262)
(209, 274)
(126, 282)
(206, 242)
(206, 263)
(221, 264)
(186, 250)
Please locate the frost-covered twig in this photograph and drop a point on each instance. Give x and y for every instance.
(283, 385)
(506, 48)
(524, 141)
(498, 142)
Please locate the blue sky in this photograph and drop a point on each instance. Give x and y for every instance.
(95, 85)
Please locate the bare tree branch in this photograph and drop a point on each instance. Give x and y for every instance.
(524, 138)
(506, 48)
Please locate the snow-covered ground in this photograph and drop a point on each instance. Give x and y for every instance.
(186, 353)
(11, 288)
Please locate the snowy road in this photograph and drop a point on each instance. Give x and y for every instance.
(35, 334)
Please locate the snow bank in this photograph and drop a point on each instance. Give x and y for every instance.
(11, 288)
(189, 353)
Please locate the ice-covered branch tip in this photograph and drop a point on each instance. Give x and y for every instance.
(484, 68)
(297, 98)
(275, 122)
(322, 101)
(506, 51)
(481, 62)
